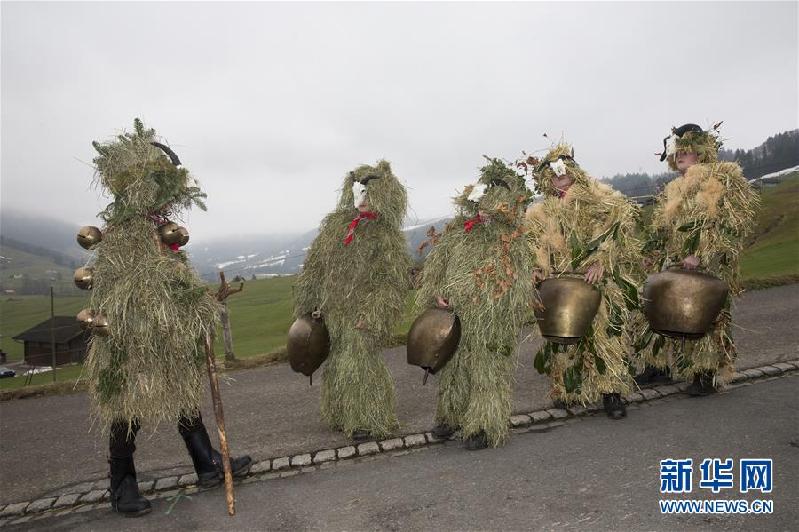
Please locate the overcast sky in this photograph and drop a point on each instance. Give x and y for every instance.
(269, 105)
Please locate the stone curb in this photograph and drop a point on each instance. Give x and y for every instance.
(96, 495)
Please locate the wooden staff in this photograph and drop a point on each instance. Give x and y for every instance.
(223, 292)
(220, 425)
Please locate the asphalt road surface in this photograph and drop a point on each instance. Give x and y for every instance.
(590, 474)
(48, 443)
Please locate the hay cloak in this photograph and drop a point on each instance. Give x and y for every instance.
(590, 223)
(150, 367)
(366, 282)
(484, 269)
(707, 212)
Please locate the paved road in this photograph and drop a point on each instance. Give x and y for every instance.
(591, 474)
(47, 444)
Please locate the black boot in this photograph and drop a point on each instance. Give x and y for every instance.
(125, 497)
(207, 460)
(477, 441)
(653, 375)
(702, 384)
(560, 403)
(361, 435)
(442, 431)
(614, 405)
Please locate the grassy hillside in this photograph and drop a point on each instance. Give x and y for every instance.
(772, 252)
(774, 249)
(260, 317)
(19, 268)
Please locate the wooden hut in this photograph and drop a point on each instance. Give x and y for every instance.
(71, 342)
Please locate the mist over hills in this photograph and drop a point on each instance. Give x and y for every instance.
(38, 251)
(265, 256)
(53, 241)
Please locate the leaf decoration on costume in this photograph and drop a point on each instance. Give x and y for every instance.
(572, 379)
(581, 253)
(601, 367)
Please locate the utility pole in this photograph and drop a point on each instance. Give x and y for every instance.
(52, 329)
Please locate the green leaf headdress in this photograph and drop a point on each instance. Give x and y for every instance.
(499, 190)
(144, 176)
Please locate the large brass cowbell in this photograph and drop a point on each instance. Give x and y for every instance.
(683, 303)
(569, 307)
(433, 339)
(308, 345)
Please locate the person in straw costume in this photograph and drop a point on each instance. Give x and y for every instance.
(700, 221)
(356, 277)
(149, 364)
(585, 228)
(480, 268)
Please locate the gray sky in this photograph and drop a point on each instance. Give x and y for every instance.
(269, 105)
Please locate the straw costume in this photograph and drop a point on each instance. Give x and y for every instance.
(706, 212)
(150, 365)
(356, 275)
(587, 224)
(481, 267)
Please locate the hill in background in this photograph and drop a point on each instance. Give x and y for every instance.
(262, 313)
(776, 153)
(38, 252)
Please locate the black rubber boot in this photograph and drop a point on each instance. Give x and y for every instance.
(560, 403)
(653, 375)
(614, 405)
(442, 431)
(124, 489)
(125, 497)
(475, 442)
(207, 461)
(702, 384)
(360, 435)
(239, 466)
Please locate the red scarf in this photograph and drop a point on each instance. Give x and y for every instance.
(469, 224)
(367, 215)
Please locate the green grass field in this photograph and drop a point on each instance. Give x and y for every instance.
(261, 315)
(774, 251)
(64, 374)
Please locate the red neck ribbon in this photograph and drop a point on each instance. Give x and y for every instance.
(469, 224)
(354, 223)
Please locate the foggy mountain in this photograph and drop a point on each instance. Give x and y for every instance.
(259, 255)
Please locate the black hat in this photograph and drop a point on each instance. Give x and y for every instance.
(680, 131)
